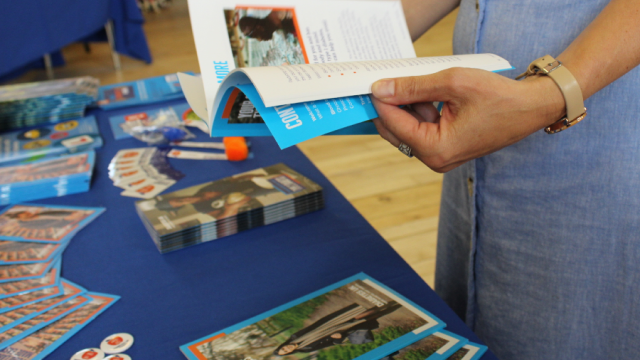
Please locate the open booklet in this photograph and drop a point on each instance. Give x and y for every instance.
(328, 54)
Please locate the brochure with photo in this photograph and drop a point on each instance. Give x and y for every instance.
(20, 331)
(15, 317)
(12, 288)
(53, 139)
(140, 92)
(17, 272)
(44, 223)
(357, 318)
(17, 301)
(470, 351)
(306, 67)
(224, 207)
(39, 344)
(437, 346)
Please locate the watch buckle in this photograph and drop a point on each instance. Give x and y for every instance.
(564, 124)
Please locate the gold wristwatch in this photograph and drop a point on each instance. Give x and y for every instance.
(569, 87)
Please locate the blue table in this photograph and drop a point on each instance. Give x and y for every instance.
(31, 28)
(169, 300)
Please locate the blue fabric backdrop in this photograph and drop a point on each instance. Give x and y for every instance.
(31, 28)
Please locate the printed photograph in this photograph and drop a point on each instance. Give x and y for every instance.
(340, 325)
(420, 350)
(264, 37)
(224, 198)
(44, 223)
(241, 110)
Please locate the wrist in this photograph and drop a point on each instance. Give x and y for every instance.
(550, 103)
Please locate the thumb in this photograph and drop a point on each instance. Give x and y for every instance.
(414, 89)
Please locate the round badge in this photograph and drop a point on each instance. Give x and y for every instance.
(36, 144)
(88, 354)
(117, 343)
(59, 135)
(65, 126)
(118, 357)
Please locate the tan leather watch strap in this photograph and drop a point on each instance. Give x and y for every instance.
(569, 87)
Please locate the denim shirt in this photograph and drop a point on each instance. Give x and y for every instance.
(539, 243)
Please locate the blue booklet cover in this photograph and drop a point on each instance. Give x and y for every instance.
(470, 351)
(45, 223)
(39, 343)
(357, 318)
(244, 113)
(53, 139)
(145, 91)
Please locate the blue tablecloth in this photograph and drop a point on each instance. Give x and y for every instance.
(31, 28)
(169, 300)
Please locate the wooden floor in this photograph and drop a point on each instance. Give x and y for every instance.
(399, 196)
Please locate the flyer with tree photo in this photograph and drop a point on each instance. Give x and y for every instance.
(357, 318)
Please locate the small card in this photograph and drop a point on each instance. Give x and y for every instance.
(11, 288)
(470, 351)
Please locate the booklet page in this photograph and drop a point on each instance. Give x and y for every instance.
(232, 34)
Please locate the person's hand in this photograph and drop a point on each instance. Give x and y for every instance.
(482, 113)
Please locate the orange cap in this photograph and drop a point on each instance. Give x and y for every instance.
(236, 148)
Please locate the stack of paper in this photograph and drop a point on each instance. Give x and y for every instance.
(140, 92)
(354, 318)
(142, 172)
(47, 101)
(215, 209)
(50, 140)
(46, 178)
(39, 310)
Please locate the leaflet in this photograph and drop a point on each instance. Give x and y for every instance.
(11, 288)
(12, 318)
(25, 271)
(144, 91)
(355, 318)
(28, 327)
(43, 223)
(311, 64)
(42, 342)
(18, 301)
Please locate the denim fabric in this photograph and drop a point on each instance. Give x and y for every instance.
(542, 257)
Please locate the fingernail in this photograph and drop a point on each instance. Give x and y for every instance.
(383, 88)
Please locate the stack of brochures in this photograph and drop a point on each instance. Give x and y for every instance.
(50, 140)
(140, 92)
(68, 174)
(36, 103)
(39, 310)
(215, 209)
(354, 318)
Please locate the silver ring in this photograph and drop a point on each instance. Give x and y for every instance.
(405, 149)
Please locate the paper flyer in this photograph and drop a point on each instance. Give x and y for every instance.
(12, 288)
(42, 342)
(470, 351)
(357, 318)
(44, 223)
